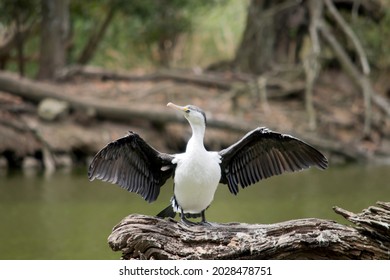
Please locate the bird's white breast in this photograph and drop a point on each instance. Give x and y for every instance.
(197, 177)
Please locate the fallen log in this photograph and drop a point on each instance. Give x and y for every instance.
(145, 237)
(208, 80)
(106, 109)
(230, 81)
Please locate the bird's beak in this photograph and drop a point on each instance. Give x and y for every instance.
(177, 107)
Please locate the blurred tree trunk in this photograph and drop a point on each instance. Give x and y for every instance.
(54, 35)
(19, 45)
(272, 34)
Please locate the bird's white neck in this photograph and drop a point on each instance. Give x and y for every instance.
(196, 141)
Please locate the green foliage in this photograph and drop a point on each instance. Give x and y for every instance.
(140, 29)
(161, 19)
(216, 34)
(375, 38)
(208, 31)
(23, 9)
(203, 32)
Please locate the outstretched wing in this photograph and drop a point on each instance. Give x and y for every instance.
(134, 165)
(263, 153)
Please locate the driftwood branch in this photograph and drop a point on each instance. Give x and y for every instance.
(144, 237)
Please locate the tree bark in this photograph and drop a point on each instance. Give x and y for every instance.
(265, 39)
(144, 237)
(255, 51)
(54, 34)
(275, 30)
(19, 45)
(311, 62)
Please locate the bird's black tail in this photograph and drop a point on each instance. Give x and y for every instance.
(167, 212)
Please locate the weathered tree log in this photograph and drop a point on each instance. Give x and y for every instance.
(108, 109)
(208, 80)
(276, 86)
(144, 237)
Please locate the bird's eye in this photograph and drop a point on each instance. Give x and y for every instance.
(187, 111)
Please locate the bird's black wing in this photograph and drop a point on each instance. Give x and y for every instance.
(263, 153)
(134, 165)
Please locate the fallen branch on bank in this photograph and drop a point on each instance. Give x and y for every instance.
(277, 87)
(217, 81)
(106, 109)
(145, 237)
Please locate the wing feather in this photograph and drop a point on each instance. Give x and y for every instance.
(134, 165)
(263, 153)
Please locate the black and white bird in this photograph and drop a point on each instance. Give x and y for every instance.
(137, 167)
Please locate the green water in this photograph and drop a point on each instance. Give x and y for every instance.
(64, 216)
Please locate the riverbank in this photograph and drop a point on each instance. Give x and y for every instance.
(95, 108)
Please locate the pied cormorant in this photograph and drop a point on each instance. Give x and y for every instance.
(137, 167)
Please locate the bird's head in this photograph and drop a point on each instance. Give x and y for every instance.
(193, 114)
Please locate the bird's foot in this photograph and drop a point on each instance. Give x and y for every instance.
(201, 223)
(205, 223)
(188, 223)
